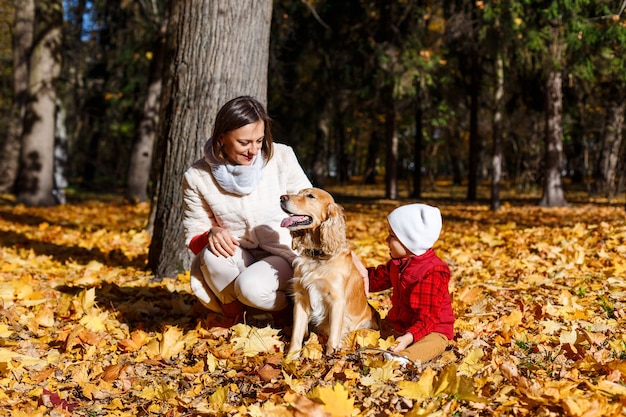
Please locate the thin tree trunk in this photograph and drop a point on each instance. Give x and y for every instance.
(319, 164)
(36, 177)
(141, 156)
(391, 141)
(418, 144)
(474, 139)
(218, 50)
(11, 142)
(553, 194)
(496, 165)
(606, 168)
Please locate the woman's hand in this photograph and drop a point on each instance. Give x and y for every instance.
(221, 242)
(404, 341)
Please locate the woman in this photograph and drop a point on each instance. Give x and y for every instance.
(232, 214)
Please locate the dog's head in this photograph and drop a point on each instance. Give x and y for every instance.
(315, 220)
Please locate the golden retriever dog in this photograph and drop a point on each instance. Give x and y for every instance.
(328, 290)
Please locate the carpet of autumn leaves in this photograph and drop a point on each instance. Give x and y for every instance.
(539, 296)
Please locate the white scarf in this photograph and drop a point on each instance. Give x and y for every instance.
(235, 179)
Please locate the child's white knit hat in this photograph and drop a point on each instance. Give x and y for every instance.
(417, 226)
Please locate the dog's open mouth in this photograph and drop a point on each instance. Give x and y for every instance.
(296, 220)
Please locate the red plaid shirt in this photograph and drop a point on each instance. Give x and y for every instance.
(420, 299)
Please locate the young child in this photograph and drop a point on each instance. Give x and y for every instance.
(421, 316)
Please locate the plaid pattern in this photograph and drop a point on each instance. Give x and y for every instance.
(420, 299)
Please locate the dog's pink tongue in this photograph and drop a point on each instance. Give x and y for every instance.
(291, 220)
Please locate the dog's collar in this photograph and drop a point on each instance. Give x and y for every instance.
(315, 253)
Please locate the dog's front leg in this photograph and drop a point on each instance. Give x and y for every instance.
(300, 324)
(336, 316)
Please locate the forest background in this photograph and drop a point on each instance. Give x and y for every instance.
(474, 106)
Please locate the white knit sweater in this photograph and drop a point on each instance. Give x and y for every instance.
(253, 219)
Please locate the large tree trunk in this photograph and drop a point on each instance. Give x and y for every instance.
(606, 168)
(217, 50)
(141, 155)
(553, 194)
(10, 143)
(35, 184)
(496, 157)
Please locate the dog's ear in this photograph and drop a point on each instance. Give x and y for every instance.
(333, 230)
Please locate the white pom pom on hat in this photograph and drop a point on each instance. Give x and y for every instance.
(417, 226)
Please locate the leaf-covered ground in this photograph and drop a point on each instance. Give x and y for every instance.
(539, 297)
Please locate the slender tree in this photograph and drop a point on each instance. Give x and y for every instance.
(35, 184)
(22, 44)
(217, 50)
(141, 154)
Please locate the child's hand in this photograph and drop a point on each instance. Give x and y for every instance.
(404, 341)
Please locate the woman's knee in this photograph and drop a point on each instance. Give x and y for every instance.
(260, 285)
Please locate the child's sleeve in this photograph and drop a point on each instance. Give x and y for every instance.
(379, 277)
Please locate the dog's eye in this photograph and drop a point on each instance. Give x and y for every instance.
(310, 195)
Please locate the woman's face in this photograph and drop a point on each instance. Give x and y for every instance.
(243, 144)
(396, 249)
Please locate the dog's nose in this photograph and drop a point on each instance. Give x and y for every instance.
(284, 198)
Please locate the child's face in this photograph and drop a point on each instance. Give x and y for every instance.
(396, 249)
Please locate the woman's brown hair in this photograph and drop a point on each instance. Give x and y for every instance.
(239, 112)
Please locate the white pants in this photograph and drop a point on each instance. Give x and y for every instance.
(255, 278)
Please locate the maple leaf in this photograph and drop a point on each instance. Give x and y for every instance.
(52, 400)
(472, 362)
(300, 386)
(335, 399)
(363, 338)
(252, 340)
(380, 375)
(312, 348)
(447, 381)
(95, 321)
(420, 390)
(219, 397)
(170, 343)
(138, 338)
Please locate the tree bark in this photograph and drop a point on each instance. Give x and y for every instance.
(12, 141)
(217, 51)
(35, 184)
(553, 194)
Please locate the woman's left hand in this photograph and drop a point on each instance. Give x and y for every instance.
(221, 242)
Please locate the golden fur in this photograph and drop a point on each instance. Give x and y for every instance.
(328, 290)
